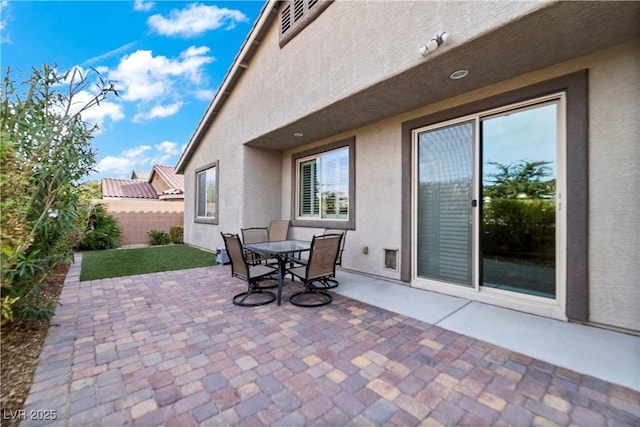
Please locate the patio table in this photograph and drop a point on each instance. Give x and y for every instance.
(281, 251)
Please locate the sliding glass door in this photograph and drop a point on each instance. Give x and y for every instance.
(486, 200)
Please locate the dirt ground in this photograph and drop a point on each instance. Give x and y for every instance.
(21, 344)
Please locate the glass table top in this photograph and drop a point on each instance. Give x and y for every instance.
(280, 247)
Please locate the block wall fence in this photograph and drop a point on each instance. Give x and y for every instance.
(138, 217)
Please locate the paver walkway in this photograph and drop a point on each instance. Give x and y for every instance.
(170, 349)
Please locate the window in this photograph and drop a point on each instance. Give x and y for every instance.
(297, 14)
(323, 182)
(207, 194)
(324, 186)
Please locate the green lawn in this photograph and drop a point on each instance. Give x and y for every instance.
(127, 262)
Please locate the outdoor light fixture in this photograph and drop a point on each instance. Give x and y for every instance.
(459, 74)
(298, 134)
(439, 38)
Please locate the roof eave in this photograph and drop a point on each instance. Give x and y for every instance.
(240, 63)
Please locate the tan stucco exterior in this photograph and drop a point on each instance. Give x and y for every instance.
(342, 55)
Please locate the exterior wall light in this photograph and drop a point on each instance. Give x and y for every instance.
(439, 38)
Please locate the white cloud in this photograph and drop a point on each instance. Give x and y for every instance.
(128, 161)
(167, 150)
(143, 6)
(140, 157)
(205, 94)
(96, 114)
(144, 77)
(99, 113)
(196, 19)
(162, 159)
(159, 111)
(167, 147)
(4, 20)
(116, 165)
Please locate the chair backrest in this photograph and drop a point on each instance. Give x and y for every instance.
(255, 235)
(344, 238)
(278, 230)
(239, 265)
(323, 255)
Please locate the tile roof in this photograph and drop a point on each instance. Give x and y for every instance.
(144, 175)
(129, 188)
(169, 176)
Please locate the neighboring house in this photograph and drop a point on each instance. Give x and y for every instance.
(141, 175)
(161, 184)
(497, 163)
(141, 203)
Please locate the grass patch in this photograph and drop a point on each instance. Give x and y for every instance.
(127, 262)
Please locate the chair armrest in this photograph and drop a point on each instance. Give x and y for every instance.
(297, 262)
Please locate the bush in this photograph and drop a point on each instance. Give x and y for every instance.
(102, 232)
(177, 234)
(159, 237)
(519, 227)
(45, 151)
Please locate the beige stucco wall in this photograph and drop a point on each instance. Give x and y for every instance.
(341, 54)
(614, 196)
(159, 184)
(138, 217)
(614, 167)
(249, 186)
(249, 179)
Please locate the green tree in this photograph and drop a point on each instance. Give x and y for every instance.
(518, 213)
(45, 152)
(524, 178)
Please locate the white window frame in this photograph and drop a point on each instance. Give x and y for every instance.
(317, 221)
(320, 201)
(209, 218)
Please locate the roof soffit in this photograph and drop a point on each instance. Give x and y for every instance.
(571, 29)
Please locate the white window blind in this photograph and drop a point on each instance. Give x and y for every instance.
(309, 189)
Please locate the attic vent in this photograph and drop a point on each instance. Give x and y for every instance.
(297, 14)
(298, 9)
(286, 19)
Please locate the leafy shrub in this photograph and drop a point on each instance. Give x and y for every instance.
(102, 231)
(159, 237)
(45, 151)
(519, 226)
(177, 234)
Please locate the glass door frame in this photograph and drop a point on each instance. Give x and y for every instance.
(529, 303)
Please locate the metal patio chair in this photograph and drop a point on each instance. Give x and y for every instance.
(254, 235)
(278, 230)
(252, 274)
(320, 267)
(332, 283)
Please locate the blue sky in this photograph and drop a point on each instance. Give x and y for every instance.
(168, 58)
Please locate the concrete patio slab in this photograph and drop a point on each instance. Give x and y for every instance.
(428, 307)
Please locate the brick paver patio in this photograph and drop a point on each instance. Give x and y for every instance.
(170, 349)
